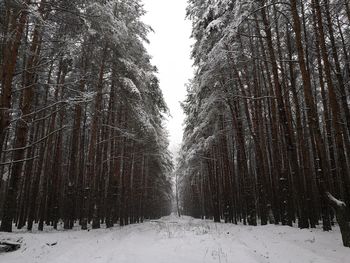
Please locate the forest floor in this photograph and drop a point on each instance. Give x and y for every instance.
(179, 240)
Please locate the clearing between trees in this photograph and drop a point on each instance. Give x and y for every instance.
(172, 239)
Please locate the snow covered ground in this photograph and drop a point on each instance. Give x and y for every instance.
(179, 240)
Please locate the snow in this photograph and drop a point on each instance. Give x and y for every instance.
(131, 87)
(335, 201)
(174, 240)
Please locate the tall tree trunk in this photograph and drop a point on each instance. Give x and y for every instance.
(16, 26)
(312, 115)
(21, 133)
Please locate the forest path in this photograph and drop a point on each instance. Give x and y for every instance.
(179, 240)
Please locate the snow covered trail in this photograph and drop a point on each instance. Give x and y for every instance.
(179, 240)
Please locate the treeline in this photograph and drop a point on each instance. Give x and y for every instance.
(268, 123)
(81, 116)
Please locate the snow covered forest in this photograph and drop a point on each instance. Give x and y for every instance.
(268, 121)
(82, 132)
(84, 143)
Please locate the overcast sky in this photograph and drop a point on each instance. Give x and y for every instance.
(170, 48)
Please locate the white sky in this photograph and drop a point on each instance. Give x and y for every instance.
(170, 48)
